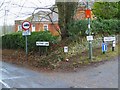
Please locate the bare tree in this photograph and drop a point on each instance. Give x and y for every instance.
(47, 15)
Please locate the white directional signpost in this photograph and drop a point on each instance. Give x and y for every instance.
(113, 39)
(109, 38)
(26, 26)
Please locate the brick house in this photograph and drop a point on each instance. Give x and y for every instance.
(41, 22)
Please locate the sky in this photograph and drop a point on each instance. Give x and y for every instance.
(11, 10)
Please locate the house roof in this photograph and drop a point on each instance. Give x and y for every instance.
(43, 16)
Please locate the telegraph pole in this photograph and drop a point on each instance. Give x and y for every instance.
(89, 33)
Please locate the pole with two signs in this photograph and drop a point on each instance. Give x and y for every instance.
(89, 37)
(26, 25)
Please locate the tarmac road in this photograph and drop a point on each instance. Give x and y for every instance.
(103, 75)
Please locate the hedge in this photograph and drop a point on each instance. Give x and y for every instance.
(75, 29)
(17, 41)
(111, 26)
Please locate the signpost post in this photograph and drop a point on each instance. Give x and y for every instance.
(88, 15)
(66, 51)
(26, 26)
(113, 45)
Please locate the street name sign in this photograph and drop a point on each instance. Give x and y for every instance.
(39, 43)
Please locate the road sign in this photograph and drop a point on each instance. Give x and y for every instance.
(39, 43)
(26, 25)
(104, 47)
(65, 49)
(109, 38)
(26, 33)
(88, 13)
(89, 38)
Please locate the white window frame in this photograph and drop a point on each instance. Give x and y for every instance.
(19, 27)
(45, 25)
(33, 28)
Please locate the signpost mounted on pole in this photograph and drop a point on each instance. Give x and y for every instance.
(88, 15)
(26, 26)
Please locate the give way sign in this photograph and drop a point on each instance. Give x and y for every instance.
(26, 25)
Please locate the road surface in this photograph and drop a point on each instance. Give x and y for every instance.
(103, 75)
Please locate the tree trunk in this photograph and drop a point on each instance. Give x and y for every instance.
(66, 11)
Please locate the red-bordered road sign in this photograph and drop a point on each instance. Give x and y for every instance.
(26, 25)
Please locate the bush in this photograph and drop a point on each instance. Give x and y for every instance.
(17, 41)
(78, 28)
(12, 41)
(109, 27)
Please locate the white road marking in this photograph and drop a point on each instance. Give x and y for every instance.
(4, 70)
(15, 77)
(5, 84)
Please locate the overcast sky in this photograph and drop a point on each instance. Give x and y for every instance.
(11, 10)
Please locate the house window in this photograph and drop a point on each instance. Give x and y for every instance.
(19, 28)
(33, 28)
(45, 27)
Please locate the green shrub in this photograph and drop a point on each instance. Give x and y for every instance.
(109, 27)
(78, 28)
(13, 41)
(17, 41)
